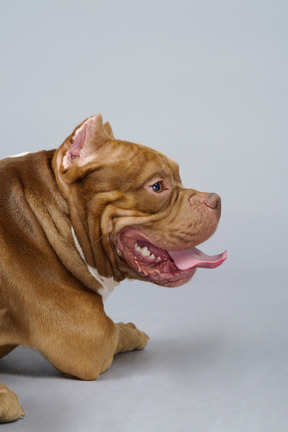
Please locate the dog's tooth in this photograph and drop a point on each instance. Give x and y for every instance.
(141, 250)
(159, 259)
(152, 256)
(145, 251)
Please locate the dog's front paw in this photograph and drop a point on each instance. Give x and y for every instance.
(10, 408)
(130, 338)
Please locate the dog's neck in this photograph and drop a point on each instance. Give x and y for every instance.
(108, 284)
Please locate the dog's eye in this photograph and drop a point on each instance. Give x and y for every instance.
(157, 187)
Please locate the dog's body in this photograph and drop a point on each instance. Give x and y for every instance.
(73, 224)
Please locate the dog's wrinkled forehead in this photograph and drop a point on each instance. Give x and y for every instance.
(149, 162)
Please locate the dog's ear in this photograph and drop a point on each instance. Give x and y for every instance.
(108, 130)
(82, 146)
(78, 152)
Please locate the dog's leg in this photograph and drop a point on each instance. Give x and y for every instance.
(130, 338)
(108, 341)
(10, 408)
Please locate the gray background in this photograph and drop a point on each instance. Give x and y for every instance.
(206, 83)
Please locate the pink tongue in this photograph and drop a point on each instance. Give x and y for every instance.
(190, 258)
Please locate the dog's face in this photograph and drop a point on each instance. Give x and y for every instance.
(139, 217)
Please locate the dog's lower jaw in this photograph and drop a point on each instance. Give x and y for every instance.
(177, 280)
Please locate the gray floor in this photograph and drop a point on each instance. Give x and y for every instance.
(216, 361)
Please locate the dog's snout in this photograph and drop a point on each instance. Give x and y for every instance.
(213, 201)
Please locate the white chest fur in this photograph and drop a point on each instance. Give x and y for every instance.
(108, 284)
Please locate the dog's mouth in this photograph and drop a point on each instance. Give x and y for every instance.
(160, 266)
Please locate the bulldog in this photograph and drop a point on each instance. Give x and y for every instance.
(74, 223)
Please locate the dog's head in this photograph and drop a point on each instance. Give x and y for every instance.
(129, 209)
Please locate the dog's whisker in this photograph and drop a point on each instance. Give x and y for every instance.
(97, 240)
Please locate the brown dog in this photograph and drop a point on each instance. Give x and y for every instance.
(73, 224)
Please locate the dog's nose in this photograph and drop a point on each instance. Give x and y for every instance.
(213, 201)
